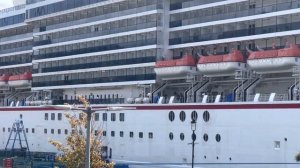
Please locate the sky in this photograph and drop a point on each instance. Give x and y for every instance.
(5, 4)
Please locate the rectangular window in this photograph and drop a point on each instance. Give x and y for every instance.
(140, 135)
(131, 134)
(112, 133)
(122, 117)
(45, 131)
(96, 132)
(104, 116)
(59, 131)
(96, 116)
(52, 131)
(113, 116)
(59, 116)
(52, 116)
(66, 131)
(25, 130)
(121, 134)
(104, 133)
(32, 130)
(150, 135)
(8, 129)
(46, 116)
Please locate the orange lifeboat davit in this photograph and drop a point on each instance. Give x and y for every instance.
(221, 65)
(275, 61)
(176, 68)
(4, 80)
(21, 80)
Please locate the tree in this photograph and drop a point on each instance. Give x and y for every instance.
(74, 151)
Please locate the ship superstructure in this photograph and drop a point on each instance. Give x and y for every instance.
(174, 60)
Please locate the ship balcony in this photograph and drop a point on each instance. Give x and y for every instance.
(236, 33)
(139, 60)
(8, 63)
(15, 38)
(92, 100)
(100, 17)
(117, 46)
(179, 5)
(235, 14)
(12, 50)
(99, 33)
(111, 79)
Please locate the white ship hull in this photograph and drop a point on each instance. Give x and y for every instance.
(252, 135)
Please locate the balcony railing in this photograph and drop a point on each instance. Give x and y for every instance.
(15, 62)
(99, 64)
(98, 33)
(95, 80)
(180, 5)
(236, 33)
(12, 50)
(92, 101)
(102, 17)
(235, 14)
(98, 49)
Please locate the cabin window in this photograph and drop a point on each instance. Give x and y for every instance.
(52, 131)
(96, 116)
(113, 116)
(104, 116)
(171, 136)
(131, 134)
(171, 116)
(59, 116)
(122, 117)
(26, 130)
(59, 131)
(218, 137)
(121, 134)
(3, 129)
(32, 130)
(112, 133)
(182, 136)
(66, 131)
(182, 116)
(104, 133)
(150, 135)
(45, 131)
(206, 116)
(205, 137)
(46, 116)
(194, 115)
(141, 135)
(52, 116)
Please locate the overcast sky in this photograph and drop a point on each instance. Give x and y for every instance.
(5, 4)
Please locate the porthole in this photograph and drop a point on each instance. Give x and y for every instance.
(206, 116)
(171, 136)
(194, 115)
(182, 136)
(205, 137)
(171, 116)
(182, 116)
(218, 137)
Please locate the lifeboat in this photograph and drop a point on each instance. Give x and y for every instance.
(176, 68)
(221, 65)
(21, 80)
(4, 79)
(274, 61)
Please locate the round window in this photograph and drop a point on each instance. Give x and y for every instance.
(171, 116)
(182, 136)
(182, 116)
(218, 137)
(205, 137)
(171, 136)
(194, 115)
(206, 116)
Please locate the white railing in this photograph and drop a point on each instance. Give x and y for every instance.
(15, 8)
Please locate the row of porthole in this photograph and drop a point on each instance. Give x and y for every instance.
(194, 116)
(205, 137)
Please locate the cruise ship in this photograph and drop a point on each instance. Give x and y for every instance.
(231, 65)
